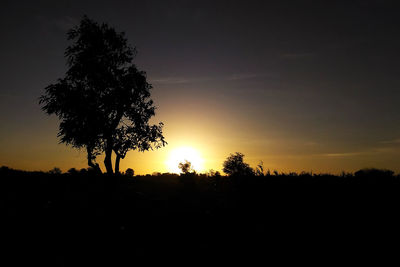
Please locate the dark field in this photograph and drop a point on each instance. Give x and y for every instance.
(84, 218)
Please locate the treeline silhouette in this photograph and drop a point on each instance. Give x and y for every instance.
(88, 193)
(206, 214)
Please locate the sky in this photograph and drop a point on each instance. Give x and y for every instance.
(299, 85)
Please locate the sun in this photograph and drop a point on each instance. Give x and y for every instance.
(181, 154)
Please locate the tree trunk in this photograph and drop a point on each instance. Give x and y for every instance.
(117, 159)
(90, 158)
(110, 143)
(107, 160)
(95, 166)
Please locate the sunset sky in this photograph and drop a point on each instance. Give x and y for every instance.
(299, 85)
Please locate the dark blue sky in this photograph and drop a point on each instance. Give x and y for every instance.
(293, 83)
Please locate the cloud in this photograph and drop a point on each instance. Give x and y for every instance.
(371, 151)
(394, 141)
(171, 80)
(341, 155)
(183, 80)
(384, 149)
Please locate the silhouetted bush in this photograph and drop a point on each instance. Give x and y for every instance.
(186, 167)
(260, 169)
(55, 170)
(235, 166)
(129, 172)
(374, 176)
(72, 171)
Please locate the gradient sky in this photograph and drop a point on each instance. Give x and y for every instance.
(300, 85)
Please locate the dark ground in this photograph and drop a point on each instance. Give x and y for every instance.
(88, 219)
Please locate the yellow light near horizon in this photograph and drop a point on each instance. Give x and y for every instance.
(181, 154)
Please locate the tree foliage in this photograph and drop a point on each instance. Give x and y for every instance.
(129, 172)
(186, 167)
(235, 166)
(103, 102)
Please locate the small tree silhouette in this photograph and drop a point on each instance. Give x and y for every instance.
(235, 166)
(186, 167)
(73, 171)
(55, 170)
(103, 101)
(129, 172)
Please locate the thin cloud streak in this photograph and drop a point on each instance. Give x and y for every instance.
(339, 155)
(171, 80)
(394, 141)
(184, 80)
(373, 151)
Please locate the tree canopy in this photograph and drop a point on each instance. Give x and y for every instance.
(186, 167)
(103, 101)
(234, 165)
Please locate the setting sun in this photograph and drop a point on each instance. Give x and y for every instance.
(181, 154)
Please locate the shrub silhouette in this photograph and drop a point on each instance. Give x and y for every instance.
(129, 172)
(260, 169)
(72, 171)
(374, 176)
(374, 172)
(235, 166)
(186, 167)
(55, 170)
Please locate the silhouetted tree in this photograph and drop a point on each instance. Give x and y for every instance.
(142, 138)
(103, 101)
(72, 171)
(129, 172)
(55, 170)
(234, 165)
(186, 167)
(374, 176)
